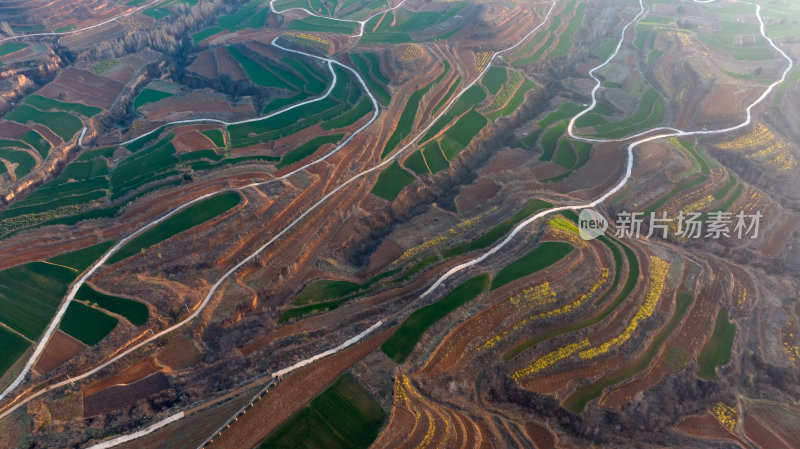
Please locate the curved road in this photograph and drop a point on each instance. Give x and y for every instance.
(79, 30)
(54, 323)
(514, 232)
(629, 166)
(360, 23)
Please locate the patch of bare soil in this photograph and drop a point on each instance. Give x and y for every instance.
(475, 195)
(59, 349)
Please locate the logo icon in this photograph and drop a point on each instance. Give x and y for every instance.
(591, 224)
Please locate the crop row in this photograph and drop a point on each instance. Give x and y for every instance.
(762, 144)
(560, 311)
(515, 80)
(659, 269)
(546, 254)
(677, 359)
(400, 344)
(550, 358)
(409, 114)
(370, 69)
(534, 296)
(64, 124)
(470, 98)
(182, 221)
(630, 284)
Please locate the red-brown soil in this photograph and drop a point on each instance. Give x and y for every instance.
(345, 312)
(90, 38)
(603, 170)
(135, 372)
(192, 430)
(561, 383)
(59, 349)
(416, 421)
(726, 101)
(178, 354)
(187, 141)
(199, 103)
(13, 429)
(690, 336)
(706, 426)
(204, 65)
(763, 437)
(76, 13)
(779, 419)
(476, 194)
(508, 160)
(79, 86)
(12, 130)
(387, 252)
(458, 348)
(540, 435)
(226, 65)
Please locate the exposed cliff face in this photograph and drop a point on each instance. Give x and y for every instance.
(19, 79)
(12, 88)
(51, 166)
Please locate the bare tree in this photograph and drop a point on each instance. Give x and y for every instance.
(6, 28)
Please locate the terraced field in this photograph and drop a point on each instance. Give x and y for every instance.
(367, 212)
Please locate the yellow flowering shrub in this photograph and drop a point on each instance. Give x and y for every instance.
(550, 358)
(563, 310)
(762, 144)
(726, 415)
(412, 52)
(658, 275)
(481, 59)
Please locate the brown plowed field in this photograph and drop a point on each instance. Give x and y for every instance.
(196, 104)
(725, 102)
(59, 349)
(192, 430)
(79, 86)
(135, 372)
(179, 354)
(779, 419)
(474, 195)
(68, 408)
(763, 437)
(191, 141)
(347, 311)
(561, 383)
(90, 38)
(226, 65)
(417, 421)
(204, 65)
(507, 160)
(540, 435)
(19, 251)
(706, 426)
(12, 130)
(458, 348)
